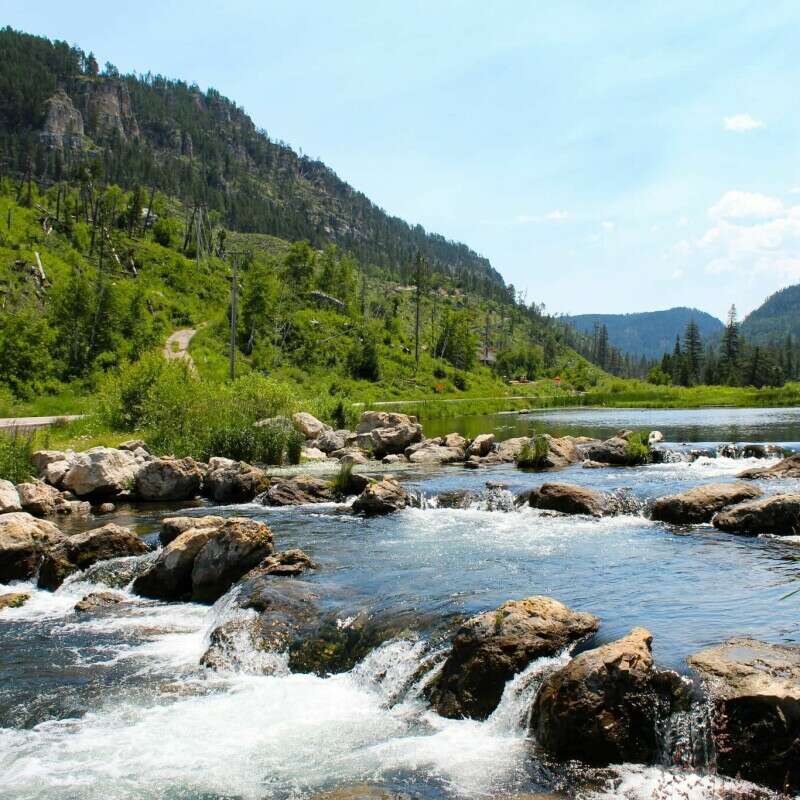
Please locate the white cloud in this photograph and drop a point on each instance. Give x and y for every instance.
(677, 274)
(794, 190)
(682, 222)
(753, 234)
(746, 206)
(740, 123)
(557, 215)
(607, 225)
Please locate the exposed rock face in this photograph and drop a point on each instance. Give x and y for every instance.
(381, 497)
(172, 527)
(601, 707)
(481, 445)
(778, 514)
(510, 449)
(236, 547)
(699, 505)
(613, 451)
(96, 601)
(23, 542)
(298, 490)
(101, 472)
(491, 648)
(230, 481)
(63, 124)
(308, 425)
(14, 599)
(787, 468)
(43, 500)
(74, 553)
(434, 451)
(169, 479)
(755, 690)
(9, 498)
(330, 441)
(569, 498)
(455, 440)
(107, 110)
(41, 458)
(386, 432)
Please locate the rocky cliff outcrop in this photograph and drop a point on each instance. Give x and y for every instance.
(63, 123)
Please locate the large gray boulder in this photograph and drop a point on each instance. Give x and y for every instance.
(509, 450)
(698, 505)
(786, 468)
(488, 650)
(435, 451)
(102, 472)
(230, 481)
(75, 553)
(169, 479)
(382, 497)
(9, 498)
(236, 547)
(385, 432)
(602, 707)
(42, 458)
(613, 451)
(481, 445)
(777, 514)
(43, 500)
(308, 425)
(23, 542)
(754, 688)
(329, 441)
(568, 498)
(297, 490)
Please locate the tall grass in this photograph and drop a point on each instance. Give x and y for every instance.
(16, 449)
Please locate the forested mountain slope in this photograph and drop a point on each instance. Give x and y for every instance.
(650, 333)
(57, 107)
(777, 318)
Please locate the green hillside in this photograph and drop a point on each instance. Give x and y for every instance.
(776, 319)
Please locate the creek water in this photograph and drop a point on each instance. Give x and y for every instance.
(114, 704)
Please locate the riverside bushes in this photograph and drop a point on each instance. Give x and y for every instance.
(181, 414)
(16, 450)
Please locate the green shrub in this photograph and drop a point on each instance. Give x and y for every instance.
(16, 450)
(638, 450)
(534, 453)
(294, 446)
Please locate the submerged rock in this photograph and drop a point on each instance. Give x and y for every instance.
(382, 497)
(97, 601)
(24, 540)
(602, 707)
(488, 650)
(74, 553)
(14, 599)
(169, 479)
(698, 505)
(286, 564)
(777, 514)
(755, 691)
(568, 498)
(787, 468)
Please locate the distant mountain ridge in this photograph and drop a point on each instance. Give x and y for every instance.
(648, 333)
(775, 319)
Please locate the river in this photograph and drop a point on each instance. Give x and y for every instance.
(114, 704)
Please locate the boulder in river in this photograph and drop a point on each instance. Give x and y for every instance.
(481, 445)
(235, 548)
(97, 601)
(168, 479)
(602, 707)
(42, 500)
(172, 527)
(488, 650)
(698, 505)
(297, 490)
(74, 553)
(14, 599)
(23, 542)
(286, 564)
(433, 451)
(755, 691)
(786, 468)
(778, 514)
(568, 498)
(9, 497)
(101, 472)
(381, 497)
(387, 432)
(229, 481)
(614, 452)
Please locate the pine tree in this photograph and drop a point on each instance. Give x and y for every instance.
(693, 351)
(730, 350)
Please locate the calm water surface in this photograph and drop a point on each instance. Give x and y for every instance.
(114, 705)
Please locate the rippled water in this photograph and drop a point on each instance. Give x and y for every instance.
(114, 704)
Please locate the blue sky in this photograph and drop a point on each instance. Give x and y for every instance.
(606, 157)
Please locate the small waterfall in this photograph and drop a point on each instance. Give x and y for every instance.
(513, 712)
(118, 573)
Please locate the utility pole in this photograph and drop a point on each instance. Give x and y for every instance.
(234, 309)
